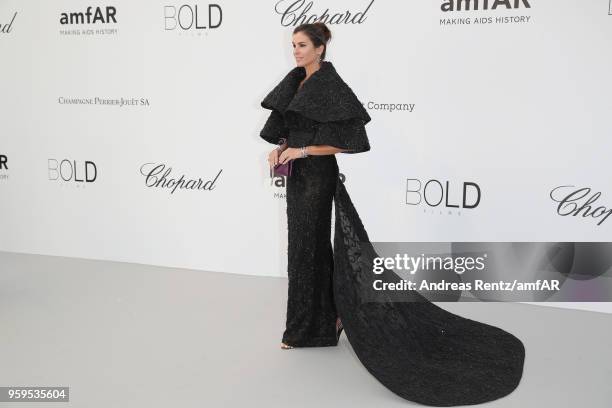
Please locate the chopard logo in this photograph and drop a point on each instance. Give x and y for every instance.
(571, 202)
(157, 175)
(6, 28)
(295, 12)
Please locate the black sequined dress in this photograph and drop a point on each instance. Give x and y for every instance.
(418, 350)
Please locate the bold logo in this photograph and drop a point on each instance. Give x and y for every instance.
(66, 170)
(187, 17)
(103, 15)
(466, 5)
(158, 176)
(295, 12)
(433, 193)
(6, 28)
(572, 201)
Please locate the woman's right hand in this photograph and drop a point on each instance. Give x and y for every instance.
(273, 157)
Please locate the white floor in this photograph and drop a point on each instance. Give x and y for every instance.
(129, 335)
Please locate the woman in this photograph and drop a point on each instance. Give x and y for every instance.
(416, 349)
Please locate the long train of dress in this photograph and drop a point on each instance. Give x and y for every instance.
(418, 350)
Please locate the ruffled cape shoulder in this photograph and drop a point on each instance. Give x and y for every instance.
(324, 104)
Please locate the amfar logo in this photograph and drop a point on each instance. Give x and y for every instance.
(78, 172)
(466, 5)
(281, 182)
(102, 15)
(188, 17)
(155, 178)
(571, 202)
(295, 12)
(3, 167)
(433, 192)
(6, 28)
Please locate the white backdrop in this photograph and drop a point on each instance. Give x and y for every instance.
(518, 104)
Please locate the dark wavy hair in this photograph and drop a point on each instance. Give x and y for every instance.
(317, 32)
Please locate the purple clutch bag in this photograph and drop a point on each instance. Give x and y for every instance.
(282, 169)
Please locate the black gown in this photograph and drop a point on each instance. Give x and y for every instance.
(418, 350)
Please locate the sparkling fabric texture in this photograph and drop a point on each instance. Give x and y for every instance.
(418, 350)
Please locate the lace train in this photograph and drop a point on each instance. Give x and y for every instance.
(418, 350)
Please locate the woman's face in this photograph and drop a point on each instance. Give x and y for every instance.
(304, 50)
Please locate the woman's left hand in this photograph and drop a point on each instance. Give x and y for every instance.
(289, 154)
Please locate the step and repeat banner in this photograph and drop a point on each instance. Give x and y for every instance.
(130, 129)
